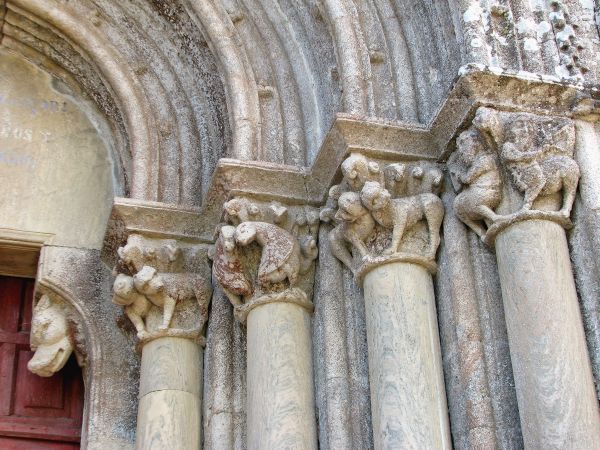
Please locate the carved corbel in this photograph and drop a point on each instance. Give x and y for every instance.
(162, 287)
(384, 213)
(265, 253)
(514, 166)
(55, 335)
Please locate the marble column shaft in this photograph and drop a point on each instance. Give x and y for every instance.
(281, 409)
(553, 377)
(408, 398)
(170, 395)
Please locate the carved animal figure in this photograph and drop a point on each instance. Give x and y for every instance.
(135, 254)
(355, 225)
(280, 258)
(50, 338)
(328, 211)
(475, 174)
(136, 305)
(357, 170)
(241, 210)
(228, 267)
(545, 169)
(400, 214)
(166, 289)
(395, 176)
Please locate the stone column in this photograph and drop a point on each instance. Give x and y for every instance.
(264, 263)
(280, 386)
(392, 219)
(524, 216)
(408, 399)
(170, 394)
(167, 304)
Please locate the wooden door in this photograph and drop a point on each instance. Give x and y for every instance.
(35, 412)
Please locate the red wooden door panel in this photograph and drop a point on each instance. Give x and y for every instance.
(35, 412)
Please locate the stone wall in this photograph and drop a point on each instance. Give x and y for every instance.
(200, 120)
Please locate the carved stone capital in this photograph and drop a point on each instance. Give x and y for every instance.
(385, 212)
(55, 335)
(265, 253)
(514, 166)
(160, 284)
(161, 268)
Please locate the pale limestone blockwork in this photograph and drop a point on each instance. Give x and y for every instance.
(408, 397)
(391, 219)
(551, 366)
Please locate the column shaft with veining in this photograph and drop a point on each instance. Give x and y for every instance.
(264, 262)
(391, 217)
(518, 180)
(170, 395)
(404, 359)
(281, 406)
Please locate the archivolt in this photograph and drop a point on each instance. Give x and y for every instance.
(185, 83)
(149, 71)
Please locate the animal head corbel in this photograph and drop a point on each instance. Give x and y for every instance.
(50, 338)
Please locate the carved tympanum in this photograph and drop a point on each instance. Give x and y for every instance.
(159, 296)
(265, 254)
(53, 336)
(384, 215)
(513, 166)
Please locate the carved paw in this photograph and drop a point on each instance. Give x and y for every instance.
(142, 335)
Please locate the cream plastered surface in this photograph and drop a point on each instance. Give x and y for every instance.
(55, 170)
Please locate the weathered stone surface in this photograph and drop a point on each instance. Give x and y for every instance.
(290, 89)
(263, 262)
(408, 398)
(553, 376)
(56, 168)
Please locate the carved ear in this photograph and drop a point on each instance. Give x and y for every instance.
(173, 251)
(43, 303)
(373, 167)
(279, 212)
